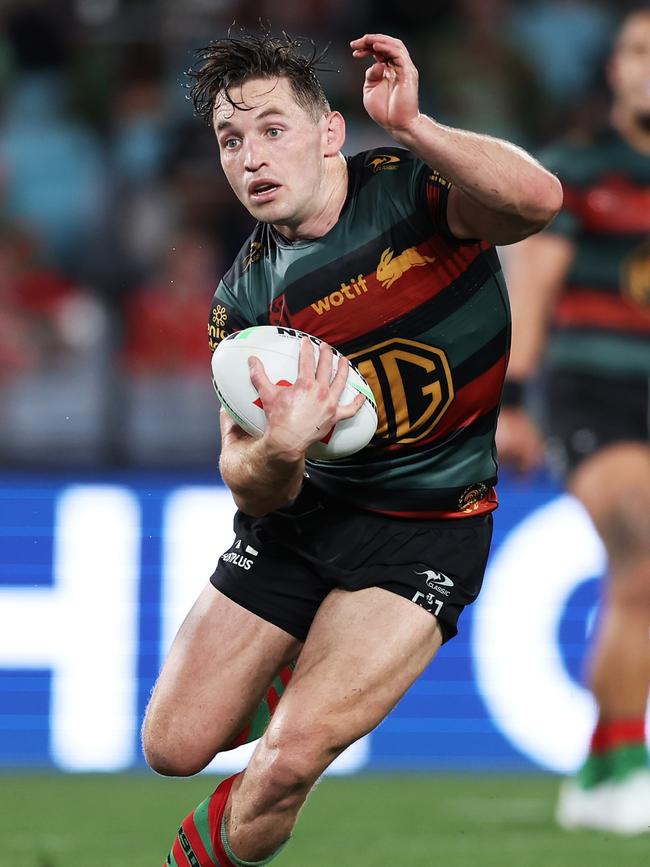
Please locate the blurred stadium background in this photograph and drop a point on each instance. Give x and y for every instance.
(115, 223)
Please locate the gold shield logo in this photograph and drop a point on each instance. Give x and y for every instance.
(413, 386)
(635, 275)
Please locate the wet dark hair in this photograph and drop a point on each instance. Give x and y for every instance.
(233, 60)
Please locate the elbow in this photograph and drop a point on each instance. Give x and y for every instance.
(252, 509)
(250, 504)
(546, 202)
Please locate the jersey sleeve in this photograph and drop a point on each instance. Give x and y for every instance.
(430, 191)
(226, 316)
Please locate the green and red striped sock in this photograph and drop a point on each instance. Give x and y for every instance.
(198, 841)
(201, 840)
(618, 748)
(257, 724)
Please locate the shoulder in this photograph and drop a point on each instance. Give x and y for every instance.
(252, 251)
(390, 177)
(382, 163)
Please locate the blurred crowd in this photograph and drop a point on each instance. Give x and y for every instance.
(116, 222)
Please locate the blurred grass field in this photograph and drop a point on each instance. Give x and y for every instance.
(366, 821)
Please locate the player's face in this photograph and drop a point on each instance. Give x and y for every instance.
(272, 151)
(630, 67)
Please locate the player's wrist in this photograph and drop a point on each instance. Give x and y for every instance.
(513, 395)
(410, 132)
(280, 453)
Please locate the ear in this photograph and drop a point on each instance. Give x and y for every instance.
(334, 133)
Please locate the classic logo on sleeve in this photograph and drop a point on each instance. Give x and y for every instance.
(383, 162)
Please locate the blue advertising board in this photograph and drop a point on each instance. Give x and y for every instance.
(97, 573)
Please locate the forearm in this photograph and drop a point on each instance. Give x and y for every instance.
(535, 271)
(498, 175)
(260, 482)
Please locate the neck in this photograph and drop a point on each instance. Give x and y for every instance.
(628, 126)
(326, 207)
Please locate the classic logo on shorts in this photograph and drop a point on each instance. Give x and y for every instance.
(437, 581)
(384, 162)
(413, 386)
(392, 267)
(635, 275)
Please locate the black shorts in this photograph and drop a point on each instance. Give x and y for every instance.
(282, 566)
(586, 412)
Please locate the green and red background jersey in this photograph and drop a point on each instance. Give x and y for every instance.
(424, 317)
(601, 323)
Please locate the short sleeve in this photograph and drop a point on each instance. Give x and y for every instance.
(226, 316)
(431, 192)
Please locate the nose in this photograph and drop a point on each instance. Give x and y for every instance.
(254, 156)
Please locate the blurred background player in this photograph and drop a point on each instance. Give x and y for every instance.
(589, 275)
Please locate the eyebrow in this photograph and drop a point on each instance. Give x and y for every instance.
(226, 124)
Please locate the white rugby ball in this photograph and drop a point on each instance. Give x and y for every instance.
(278, 349)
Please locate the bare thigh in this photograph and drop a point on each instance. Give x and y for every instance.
(614, 487)
(363, 651)
(217, 671)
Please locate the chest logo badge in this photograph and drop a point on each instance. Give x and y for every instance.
(392, 267)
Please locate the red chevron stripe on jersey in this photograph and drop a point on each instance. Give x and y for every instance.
(400, 283)
(615, 205)
(591, 309)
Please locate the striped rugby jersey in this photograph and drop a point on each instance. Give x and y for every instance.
(601, 322)
(424, 317)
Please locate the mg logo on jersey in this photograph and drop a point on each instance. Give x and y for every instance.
(413, 386)
(392, 267)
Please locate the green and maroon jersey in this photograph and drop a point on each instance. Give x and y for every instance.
(423, 316)
(601, 322)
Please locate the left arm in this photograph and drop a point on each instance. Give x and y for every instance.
(500, 193)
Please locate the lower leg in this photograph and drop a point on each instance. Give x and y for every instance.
(264, 806)
(620, 679)
(620, 663)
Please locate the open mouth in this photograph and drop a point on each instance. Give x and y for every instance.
(262, 191)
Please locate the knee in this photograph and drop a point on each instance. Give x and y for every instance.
(169, 752)
(614, 486)
(629, 589)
